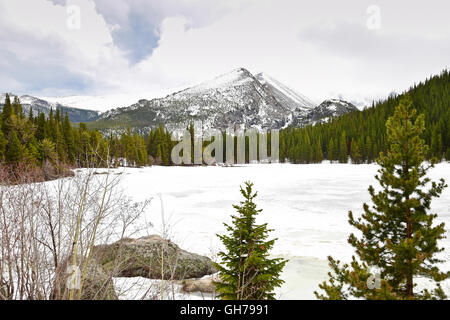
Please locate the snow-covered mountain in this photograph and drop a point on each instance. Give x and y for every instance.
(330, 109)
(101, 103)
(44, 106)
(285, 95)
(236, 99)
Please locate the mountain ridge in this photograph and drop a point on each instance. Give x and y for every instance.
(237, 99)
(44, 106)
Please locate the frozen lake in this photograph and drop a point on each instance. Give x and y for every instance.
(307, 205)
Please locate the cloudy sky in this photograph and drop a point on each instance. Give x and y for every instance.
(354, 49)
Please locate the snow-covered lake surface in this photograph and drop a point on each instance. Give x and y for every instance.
(306, 205)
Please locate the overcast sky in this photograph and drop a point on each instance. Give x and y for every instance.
(354, 49)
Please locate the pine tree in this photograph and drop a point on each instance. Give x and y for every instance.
(14, 150)
(69, 138)
(6, 116)
(247, 273)
(318, 153)
(48, 151)
(399, 237)
(331, 151)
(436, 146)
(41, 131)
(3, 143)
(369, 150)
(355, 152)
(343, 152)
(17, 107)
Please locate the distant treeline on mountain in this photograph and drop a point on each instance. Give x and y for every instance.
(53, 141)
(362, 134)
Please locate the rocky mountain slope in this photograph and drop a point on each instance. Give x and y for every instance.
(237, 99)
(234, 100)
(44, 106)
(330, 109)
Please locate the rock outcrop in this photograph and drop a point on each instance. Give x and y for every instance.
(153, 258)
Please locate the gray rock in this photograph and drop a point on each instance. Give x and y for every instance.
(153, 258)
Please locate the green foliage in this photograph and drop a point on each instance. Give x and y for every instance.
(247, 272)
(38, 139)
(47, 151)
(367, 127)
(399, 238)
(14, 151)
(3, 143)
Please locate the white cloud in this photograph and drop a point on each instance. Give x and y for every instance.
(320, 48)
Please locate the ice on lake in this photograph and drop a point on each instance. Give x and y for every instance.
(306, 205)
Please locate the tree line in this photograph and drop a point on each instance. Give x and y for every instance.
(51, 139)
(361, 136)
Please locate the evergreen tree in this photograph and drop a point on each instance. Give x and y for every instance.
(17, 107)
(436, 146)
(6, 116)
(331, 151)
(369, 150)
(14, 150)
(247, 272)
(3, 143)
(68, 138)
(355, 152)
(48, 151)
(399, 237)
(318, 153)
(343, 152)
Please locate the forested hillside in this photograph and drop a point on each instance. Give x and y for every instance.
(52, 140)
(38, 140)
(362, 134)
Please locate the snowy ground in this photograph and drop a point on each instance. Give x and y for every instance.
(307, 205)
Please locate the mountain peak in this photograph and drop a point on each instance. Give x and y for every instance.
(284, 94)
(235, 77)
(331, 108)
(235, 99)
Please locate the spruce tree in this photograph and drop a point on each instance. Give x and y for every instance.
(318, 153)
(3, 143)
(6, 116)
(330, 151)
(343, 152)
(356, 152)
(69, 138)
(14, 150)
(247, 272)
(399, 238)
